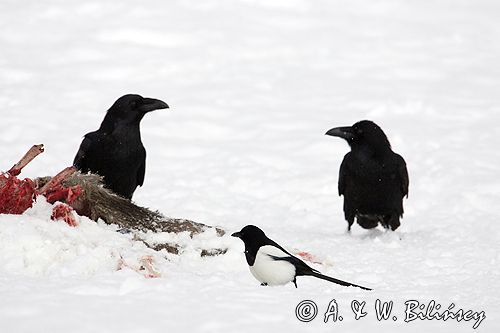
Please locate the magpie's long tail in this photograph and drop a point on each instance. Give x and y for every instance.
(334, 280)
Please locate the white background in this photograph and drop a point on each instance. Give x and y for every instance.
(253, 86)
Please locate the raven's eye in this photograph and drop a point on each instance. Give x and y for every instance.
(359, 131)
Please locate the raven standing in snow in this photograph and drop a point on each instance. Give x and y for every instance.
(373, 179)
(115, 150)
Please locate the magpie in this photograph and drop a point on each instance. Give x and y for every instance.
(272, 265)
(115, 151)
(373, 179)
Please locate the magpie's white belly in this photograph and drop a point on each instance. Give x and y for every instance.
(270, 271)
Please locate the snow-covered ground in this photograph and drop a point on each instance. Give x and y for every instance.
(253, 85)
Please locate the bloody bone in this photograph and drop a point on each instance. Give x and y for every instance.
(17, 195)
(55, 191)
(28, 157)
(70, 190)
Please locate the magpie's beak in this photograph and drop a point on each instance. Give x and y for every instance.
(342, 132)
(151, 104)
(237, 234)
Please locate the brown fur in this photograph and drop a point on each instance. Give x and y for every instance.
(97, 202)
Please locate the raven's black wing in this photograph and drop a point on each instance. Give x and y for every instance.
(141, 171)
(81, 161)
(403, 175)
(343, 173)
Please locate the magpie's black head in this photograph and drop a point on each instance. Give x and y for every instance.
(130, 109)
(253, 235)
(363, 133)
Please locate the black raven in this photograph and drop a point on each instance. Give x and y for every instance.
(373, 179)
(115, 150)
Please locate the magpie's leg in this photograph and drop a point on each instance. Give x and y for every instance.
(295, 281)
(263, 284)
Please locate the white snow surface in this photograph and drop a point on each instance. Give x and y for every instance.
(253, 86)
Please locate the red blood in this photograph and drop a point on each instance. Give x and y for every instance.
(64, 194)
(308, 257)
(64, 212)
(16, 195)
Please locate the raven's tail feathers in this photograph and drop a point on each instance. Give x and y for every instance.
(337, 281)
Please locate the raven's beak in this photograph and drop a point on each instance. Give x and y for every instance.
(342, 132)
(237, 234)
(151, 104)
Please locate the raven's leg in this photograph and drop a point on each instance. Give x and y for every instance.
(367, 221)
(349, 225)
(350, 222)
(384, 221)
(391, 221)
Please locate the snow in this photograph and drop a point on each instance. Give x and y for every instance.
(253, 86)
